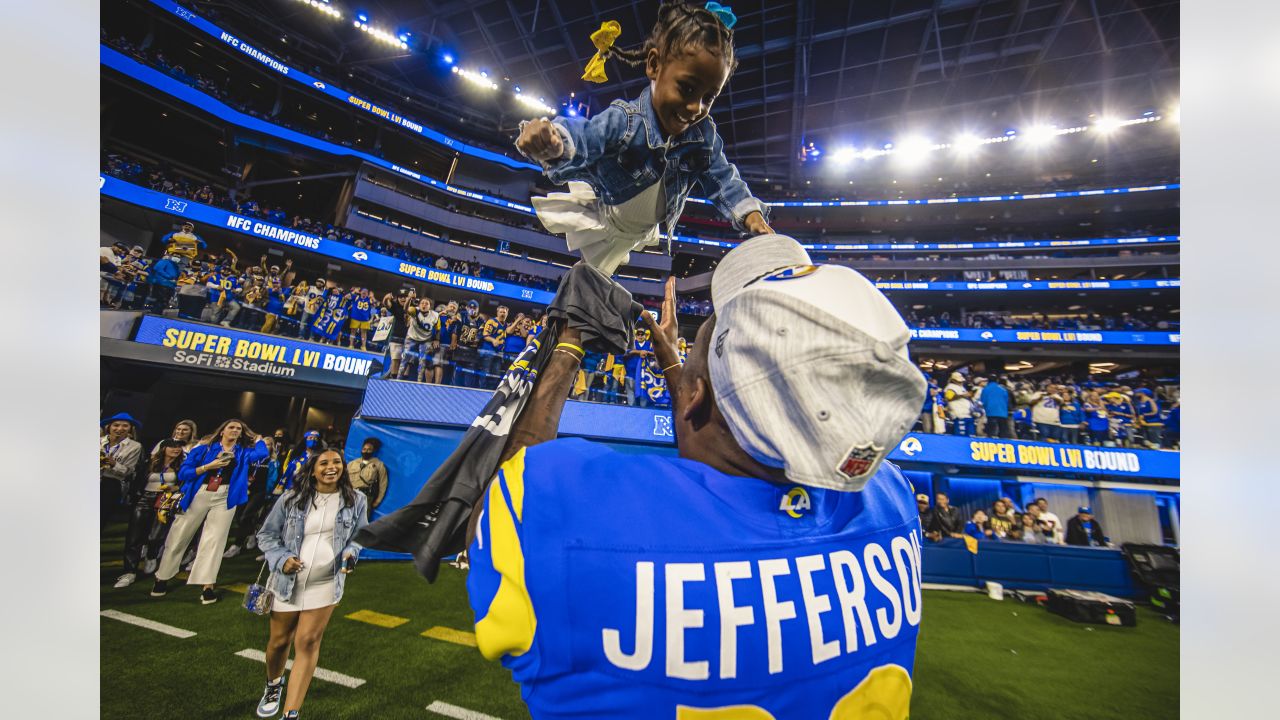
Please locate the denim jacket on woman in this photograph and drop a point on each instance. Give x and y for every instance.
(281, 538)
(621, 151)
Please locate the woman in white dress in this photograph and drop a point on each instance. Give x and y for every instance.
(307, 541)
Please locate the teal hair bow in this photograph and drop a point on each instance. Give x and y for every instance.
(724, 13)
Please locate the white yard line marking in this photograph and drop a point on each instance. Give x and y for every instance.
(336, 678)
(148, 624)
(460, 713)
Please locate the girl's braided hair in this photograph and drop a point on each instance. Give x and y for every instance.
(680, 28)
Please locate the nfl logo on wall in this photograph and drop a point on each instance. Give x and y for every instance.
(859, 460)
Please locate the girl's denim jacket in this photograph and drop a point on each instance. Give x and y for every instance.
(620, 152)
(281, 538)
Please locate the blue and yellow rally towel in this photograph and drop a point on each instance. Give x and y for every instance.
(621, 586)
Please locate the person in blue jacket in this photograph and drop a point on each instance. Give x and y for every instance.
(995, 399)
(163, 279)
(310, 445)
(1070, 417)
(215, 481)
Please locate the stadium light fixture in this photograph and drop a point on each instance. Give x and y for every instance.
(1040, 135)
(324, 7)
(362, 22)
(844, 155)
(447, 58)
(538, 105)
(479, 79)
(913, 150)
(966, 144)
(1107, 125)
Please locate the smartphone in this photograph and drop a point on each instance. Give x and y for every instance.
(349, 563)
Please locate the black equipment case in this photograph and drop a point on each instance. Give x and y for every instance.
(1092, 607)
(1158, 570)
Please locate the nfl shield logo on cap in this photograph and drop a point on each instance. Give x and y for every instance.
(860, 460)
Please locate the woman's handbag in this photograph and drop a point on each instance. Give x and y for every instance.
(257, 599)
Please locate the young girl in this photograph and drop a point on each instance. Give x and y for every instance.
(631, 166)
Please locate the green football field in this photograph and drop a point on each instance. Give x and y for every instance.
(977, 658)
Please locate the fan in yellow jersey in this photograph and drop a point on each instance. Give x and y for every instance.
(184, 243)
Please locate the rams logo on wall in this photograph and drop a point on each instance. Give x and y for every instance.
(360, 255)
(910, 446)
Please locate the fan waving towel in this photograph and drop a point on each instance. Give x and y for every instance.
(433, 526)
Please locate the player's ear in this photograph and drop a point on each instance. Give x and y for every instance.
(698, 403)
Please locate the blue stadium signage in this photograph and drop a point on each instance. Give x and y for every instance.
(982, 453)
(933, 247)
(212, 347)
(1034, 285)
(1052, 337)
(216, 217)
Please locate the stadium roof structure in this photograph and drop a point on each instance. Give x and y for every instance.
(828, 73)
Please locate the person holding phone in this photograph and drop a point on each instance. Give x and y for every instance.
(215, 481)
(307, 541)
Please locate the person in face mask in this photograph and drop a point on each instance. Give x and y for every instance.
(310, 445)
(369, 474)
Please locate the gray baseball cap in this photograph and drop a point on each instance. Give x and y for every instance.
(809, 364)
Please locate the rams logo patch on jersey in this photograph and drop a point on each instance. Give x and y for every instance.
(791, 273)
(795, 501)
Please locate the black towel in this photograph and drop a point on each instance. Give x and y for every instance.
(434, 525)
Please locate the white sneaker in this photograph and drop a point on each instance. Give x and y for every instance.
(149, 567)
(269, 705)
(260, 558)
(126, 580)
(225, 324)
(231, 552)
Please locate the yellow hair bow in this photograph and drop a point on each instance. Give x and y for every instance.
(603, 40)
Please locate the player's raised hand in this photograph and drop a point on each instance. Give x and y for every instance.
(665, 333)
(540, 141)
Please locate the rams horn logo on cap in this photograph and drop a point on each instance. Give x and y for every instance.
(791, 273)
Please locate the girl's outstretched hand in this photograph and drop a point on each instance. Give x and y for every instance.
(540, 141)
(756, 224)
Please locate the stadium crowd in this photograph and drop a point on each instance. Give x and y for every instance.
(1055, 410)
(427, 341)
(1004, 522)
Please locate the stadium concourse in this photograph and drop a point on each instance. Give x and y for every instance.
(338, 255)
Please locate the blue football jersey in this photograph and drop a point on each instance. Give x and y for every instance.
(622, 586)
